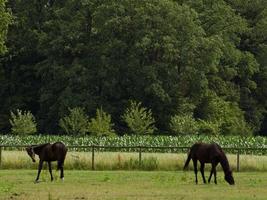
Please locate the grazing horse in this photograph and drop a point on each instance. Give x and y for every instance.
(209, 153)
(49, 152)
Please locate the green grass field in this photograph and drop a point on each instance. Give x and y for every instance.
(127, 185)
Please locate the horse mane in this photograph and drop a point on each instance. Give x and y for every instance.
(38, 148)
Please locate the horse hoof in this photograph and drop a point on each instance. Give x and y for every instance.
(62, 179)
(36, 181)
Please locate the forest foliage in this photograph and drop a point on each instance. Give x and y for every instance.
(200, 58)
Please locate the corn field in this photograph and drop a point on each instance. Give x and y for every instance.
(151, 141)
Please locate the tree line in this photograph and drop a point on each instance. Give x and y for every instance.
(199, 60)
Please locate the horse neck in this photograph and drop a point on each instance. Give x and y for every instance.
(224, 163)
(38, 149)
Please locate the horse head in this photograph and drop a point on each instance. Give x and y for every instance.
(229, 178)
(31, 153)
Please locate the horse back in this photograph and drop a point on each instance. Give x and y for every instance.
(54, 152)
(205, 153)
(60, 150)
(59, 146)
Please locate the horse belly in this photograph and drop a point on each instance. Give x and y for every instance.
(51, 158)
(203, 157)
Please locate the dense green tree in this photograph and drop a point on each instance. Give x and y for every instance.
(115, 50)
(233, 80)
(5, 19)
(168, 54)
(20, 86)
(254, 40)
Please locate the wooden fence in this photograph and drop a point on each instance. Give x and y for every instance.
(143, 149)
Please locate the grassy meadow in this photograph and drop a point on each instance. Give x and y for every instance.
(128, 185)
(128, 161)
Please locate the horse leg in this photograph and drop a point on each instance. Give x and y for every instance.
(39, 170)
(215, 176)
(60, 166)
(62, 173)
(214, 164)
(211, 171)
(202, 172)
(50, 170)
(195, 169)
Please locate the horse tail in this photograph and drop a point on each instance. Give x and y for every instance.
(60, 162)
(188, 159)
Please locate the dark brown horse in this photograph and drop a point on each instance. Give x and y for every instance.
(49, 152)
(209, 153)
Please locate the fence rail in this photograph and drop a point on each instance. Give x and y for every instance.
(141, 149)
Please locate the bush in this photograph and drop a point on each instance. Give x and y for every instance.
(75, 123)
(208, 127)
(183, 125)
(227, 115)
(22, 123)
(101, 125)
(236, 127)
(139, 119)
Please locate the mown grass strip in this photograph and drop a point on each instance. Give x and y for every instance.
(130, 185)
